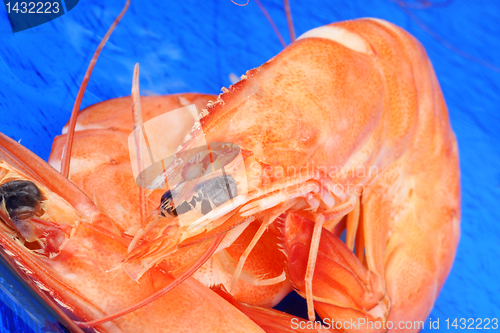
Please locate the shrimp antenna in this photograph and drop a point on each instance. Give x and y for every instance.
(405, 7)
(289, 20)
(138, 130)
(266, 14)
(76, 107)
(208, 253)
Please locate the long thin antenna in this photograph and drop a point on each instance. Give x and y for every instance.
(139, 129)
(76, 107)
(423, 4)
(444, 42)
(264, 11)
(208, 253)
(289, 20)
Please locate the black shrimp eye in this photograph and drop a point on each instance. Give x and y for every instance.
(219, 190)
(22, 198)
(166, 197)
(210, 194)
(167, 204)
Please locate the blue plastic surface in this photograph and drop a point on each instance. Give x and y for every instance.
(21, 310)
(193, 46)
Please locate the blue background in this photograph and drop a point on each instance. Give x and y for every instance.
(193, 46)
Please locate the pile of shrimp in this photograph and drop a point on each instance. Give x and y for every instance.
(343, 132)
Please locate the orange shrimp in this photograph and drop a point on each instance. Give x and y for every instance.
(346, 129)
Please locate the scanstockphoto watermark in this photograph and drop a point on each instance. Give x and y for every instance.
(354, 324)
(340, 180)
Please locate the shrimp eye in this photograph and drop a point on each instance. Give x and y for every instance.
(167, 204)
(208, 195)
(22, 198)
(219, 190)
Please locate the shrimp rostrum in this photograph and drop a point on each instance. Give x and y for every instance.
(346, 130)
